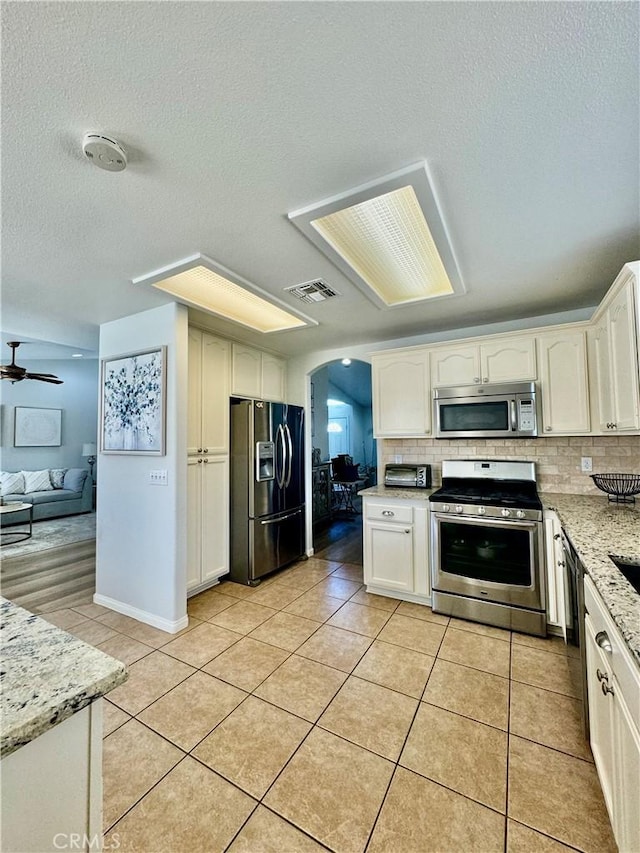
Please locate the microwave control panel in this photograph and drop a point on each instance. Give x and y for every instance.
(526, 415)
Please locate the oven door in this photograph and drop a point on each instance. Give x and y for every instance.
(488, 559)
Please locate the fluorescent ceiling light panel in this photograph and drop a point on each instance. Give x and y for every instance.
(204, 284)
(388, 237)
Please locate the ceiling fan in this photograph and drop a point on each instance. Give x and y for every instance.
(15, 373)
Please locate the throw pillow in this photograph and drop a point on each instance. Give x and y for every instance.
(74, 479)
(37, 481)
(57, 477)
(11, 484)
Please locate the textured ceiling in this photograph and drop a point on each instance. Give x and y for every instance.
(234, 114)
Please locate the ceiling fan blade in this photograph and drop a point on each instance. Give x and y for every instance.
(44, 377)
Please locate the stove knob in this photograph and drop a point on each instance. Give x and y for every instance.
(505, 513)
(458, 508)
(445, 507)
(520, 513)
(481, 510)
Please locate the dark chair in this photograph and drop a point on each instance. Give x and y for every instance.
(343, 469)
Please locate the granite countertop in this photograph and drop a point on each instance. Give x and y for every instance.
(407, 494)
(596, 529)
(46, 675)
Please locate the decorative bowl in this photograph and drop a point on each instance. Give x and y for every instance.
(619, 487)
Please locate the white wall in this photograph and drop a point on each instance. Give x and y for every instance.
(141, 529)
(78, 399)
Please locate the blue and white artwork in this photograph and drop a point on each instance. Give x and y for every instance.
(133, 405)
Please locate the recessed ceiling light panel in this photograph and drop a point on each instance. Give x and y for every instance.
(202, 283)
(388, 237)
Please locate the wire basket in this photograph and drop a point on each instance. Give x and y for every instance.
(621, 488)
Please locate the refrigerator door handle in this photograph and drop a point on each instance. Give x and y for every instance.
(282, 517)
(289, 454)
(281, 470)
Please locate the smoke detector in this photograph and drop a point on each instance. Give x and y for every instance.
(312, 291)
(103, 152)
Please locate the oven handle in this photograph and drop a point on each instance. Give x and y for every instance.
(514, 422)
(486, 522)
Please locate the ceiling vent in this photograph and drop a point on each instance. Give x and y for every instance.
(313, 291)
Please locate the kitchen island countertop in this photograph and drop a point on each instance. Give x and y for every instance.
(46, 676)
(596, 529)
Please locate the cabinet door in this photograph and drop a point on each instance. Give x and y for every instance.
(274, 371)
(565, 394)
(401, 394)
(194, 391)
(215, 394)
(627, 793)
(246, 372)
(600, 374)
(556, 574)
(456, 366)
(215, 517)
(624, 360)
(194, 521)
(388, 556)
(511, 360)
(601, 712)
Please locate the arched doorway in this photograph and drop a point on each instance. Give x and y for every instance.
(341, 428)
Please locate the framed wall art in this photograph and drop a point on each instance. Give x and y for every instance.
(37, 427)
(133, 403)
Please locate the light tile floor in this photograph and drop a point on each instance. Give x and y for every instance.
(307, 714)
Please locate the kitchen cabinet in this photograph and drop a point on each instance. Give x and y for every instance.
(257, 375)
(564, 382)
(557, 583)
(207, 520)
(497, 360)
(613, 685)
(401, 394)
(614, 373)
(208, 394)
(321, 492)
(396, 548)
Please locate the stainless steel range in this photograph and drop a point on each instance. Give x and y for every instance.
(487, 545)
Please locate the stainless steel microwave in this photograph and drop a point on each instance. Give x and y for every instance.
(486, 411)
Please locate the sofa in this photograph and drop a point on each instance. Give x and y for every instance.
(53, 492)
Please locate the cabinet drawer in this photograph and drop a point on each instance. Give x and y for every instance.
(622, 664)
(389, 512)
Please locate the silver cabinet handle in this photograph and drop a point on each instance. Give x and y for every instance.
(387, 513)
(199, 461)
(205, 461)
(205, 450)
(606, 688)
(547, 429)
(485, 379)
(602, 639)
(601, 676)
(199, 450)
(476, 379)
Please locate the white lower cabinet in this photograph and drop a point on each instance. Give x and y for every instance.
(396, 548)
(557, 599)
(207, 520)
(613, 685)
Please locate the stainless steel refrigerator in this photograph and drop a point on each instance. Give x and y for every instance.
(267, 488)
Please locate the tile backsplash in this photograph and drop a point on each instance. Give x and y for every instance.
(557, 458)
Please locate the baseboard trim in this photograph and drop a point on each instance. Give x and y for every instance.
(141, 615)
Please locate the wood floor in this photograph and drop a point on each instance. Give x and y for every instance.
(49, 580)
(340, 539)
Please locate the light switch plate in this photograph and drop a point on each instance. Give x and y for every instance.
(158, 478)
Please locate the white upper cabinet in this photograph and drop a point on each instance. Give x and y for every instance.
(258, 375)
(208, 393)
(401, 394)
(510, 359)
(563, 375)
(614, 371)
